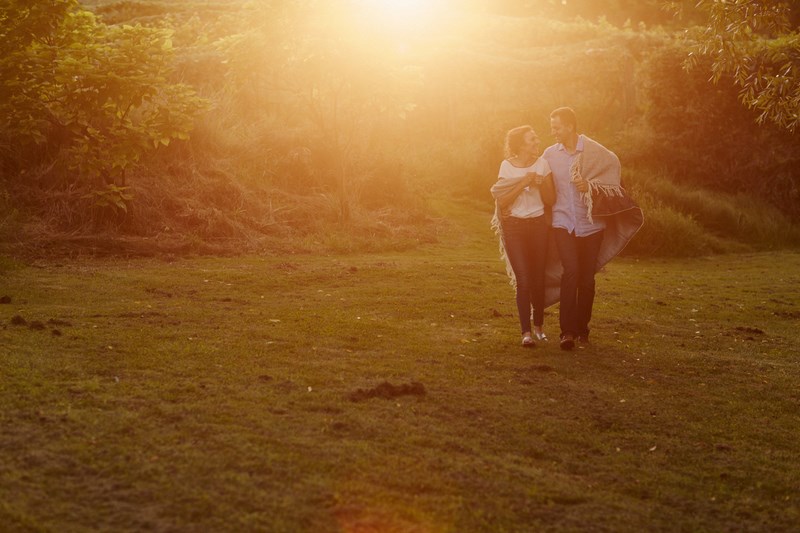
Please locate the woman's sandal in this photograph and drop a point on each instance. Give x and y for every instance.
(527, 342)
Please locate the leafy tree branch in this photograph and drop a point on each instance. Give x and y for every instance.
(754, 44)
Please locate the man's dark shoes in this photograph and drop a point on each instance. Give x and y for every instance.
(583, 339)
(567, 342)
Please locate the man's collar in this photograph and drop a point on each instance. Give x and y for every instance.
(578, 145)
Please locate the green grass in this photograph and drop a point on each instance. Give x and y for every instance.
(214, 395)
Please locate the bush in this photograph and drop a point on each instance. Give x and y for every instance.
(101, 103)
(748, 219)
(730, 216)
(670, 233)
(701, 135)
(685, 221)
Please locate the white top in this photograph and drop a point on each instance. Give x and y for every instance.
(529, 202)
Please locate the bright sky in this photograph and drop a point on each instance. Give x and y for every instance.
(403, 15)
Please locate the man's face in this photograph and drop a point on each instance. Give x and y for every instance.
(560, 130)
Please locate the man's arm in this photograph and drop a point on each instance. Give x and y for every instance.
(547, 190)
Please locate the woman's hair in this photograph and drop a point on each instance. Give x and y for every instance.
(514, 139)
(567, 116)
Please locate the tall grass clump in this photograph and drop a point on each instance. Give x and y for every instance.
(670, 233)
(8, 216)
(727, 217)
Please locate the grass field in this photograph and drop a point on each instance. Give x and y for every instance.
(389, 393)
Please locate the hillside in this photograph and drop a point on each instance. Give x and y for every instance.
(227, 127)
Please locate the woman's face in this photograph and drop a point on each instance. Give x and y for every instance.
(530, 144)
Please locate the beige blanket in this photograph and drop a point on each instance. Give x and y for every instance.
(607, 199)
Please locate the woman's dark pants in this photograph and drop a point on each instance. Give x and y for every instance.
(579, 259)
(525, 241)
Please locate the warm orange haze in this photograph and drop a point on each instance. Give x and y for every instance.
(382, 266)
(354, 115)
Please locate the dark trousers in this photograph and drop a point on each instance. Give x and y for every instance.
(579, 259)
(525, 241)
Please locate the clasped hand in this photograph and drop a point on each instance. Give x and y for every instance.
(535, 179)
(581, 184)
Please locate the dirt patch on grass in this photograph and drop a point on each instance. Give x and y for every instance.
(38, 325)
(750, 330)
(388, 391)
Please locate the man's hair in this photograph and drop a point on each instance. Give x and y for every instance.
(567, 116)
(514, 139)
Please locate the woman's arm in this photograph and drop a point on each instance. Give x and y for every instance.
(548, 190)
(505, 201)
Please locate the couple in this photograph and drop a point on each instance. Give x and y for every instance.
(554, 258)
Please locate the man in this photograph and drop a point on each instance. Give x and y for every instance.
(593, 219)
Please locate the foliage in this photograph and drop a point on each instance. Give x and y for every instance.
(755, 45)
(320, 112)
(618, 12)
(687, 221)
(84, 101)
(704, 137)
(9, 216)
(112, 196)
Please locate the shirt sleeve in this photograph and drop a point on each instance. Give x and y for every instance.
(541, 166)
(504, 170)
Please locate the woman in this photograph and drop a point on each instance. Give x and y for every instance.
(523, 189)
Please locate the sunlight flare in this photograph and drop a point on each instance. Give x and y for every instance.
(401, 15)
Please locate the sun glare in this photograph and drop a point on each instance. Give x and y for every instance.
(402, 15)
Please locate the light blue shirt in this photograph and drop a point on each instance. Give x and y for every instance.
(569, 211)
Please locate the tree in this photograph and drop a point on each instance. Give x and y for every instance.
(756, 45)
(83, 101)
